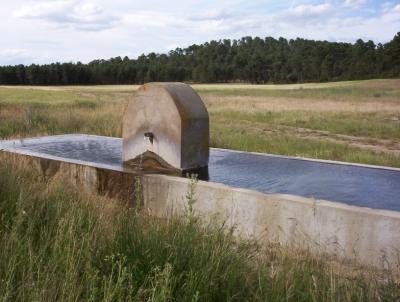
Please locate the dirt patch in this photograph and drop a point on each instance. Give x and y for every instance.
(387, 146)
(102, 88)
(376, 145)
(381, 84)
(273, 86)
(278, 104)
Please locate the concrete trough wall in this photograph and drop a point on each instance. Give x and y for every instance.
(371, 237)
(89, 178)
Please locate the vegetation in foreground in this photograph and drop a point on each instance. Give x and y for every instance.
(60, 245)
(348, 121)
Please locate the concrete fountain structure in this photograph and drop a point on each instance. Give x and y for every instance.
(166, 128)
(348, 210)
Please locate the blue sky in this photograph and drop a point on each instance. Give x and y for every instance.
(43, 31)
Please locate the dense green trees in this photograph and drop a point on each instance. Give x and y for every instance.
(248, 59)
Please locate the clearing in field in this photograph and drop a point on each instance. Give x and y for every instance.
(349, 121)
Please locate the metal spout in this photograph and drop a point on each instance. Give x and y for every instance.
(150, 136)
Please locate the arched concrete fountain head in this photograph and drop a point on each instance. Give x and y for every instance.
(166, 127)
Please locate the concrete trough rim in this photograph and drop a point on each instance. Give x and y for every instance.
(323, 161)
(54, 138)
(291, 197)
(64, 160)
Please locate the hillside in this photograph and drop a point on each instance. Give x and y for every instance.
(253, 60)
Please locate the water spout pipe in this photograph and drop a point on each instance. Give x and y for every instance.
(150, 136)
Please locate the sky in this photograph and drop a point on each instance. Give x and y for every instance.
(44, 31)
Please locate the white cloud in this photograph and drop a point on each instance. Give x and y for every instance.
(213, 14)
(391, 14)
(354, 3)
(15, 56)
(197, 23)
(12, 52)
(49, 10)
(69, 13)
(71, 30)
(309, 10)
(143, 19)
(214, 24)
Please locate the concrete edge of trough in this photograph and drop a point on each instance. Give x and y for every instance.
(289, 197)
(40, 155)
(118, 168)
(324, 161)
(368, 236)
(56, 138)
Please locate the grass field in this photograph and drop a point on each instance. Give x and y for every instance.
(59, 244)
(349, 121)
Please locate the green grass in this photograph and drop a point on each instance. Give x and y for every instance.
(34, 97)
(335, 93)
(231, 137)
(60, 245)
(33, 121)
(26, 112)
(374, 125)
(32, 112)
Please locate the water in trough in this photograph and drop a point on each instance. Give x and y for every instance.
(362, 186)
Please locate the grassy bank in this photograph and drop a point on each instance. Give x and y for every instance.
(230, 136)
(349, 121)
(61, 245)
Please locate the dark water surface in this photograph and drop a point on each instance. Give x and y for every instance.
(362, 186)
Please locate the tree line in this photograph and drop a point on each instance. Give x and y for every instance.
(248, 59)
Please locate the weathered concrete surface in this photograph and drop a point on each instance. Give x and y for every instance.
(90, 178)
(175, 121)
(355, 184)
(368, 236)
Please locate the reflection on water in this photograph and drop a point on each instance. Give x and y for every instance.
(93, 149)
(375, 188)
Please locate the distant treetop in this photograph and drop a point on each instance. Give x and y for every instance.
(248, 59)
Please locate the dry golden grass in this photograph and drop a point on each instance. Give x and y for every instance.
(279, 104)
(107, 88)
(375, 84)
(351, 121)
(364, 115)
(277, 86)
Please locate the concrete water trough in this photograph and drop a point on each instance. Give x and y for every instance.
(347, 210)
